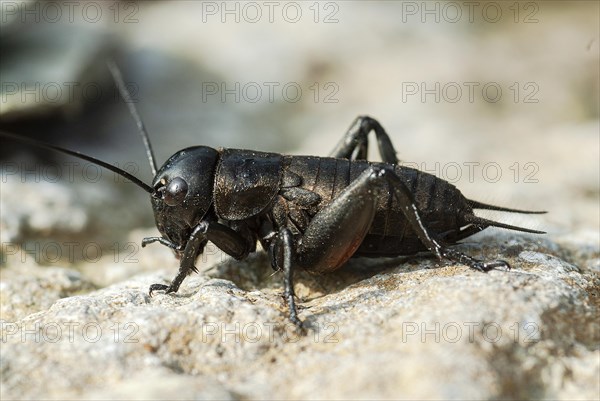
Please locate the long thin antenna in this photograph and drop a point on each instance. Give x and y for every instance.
(91, 159)
(116, 73)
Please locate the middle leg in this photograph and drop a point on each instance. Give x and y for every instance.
(331, 237)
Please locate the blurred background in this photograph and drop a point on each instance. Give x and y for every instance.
(499, 98)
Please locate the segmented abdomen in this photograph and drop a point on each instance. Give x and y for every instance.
(439, 202)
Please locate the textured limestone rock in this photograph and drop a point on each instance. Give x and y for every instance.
(405, 331)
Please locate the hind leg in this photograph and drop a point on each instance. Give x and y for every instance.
(355, 144)
(337, 231)
(405, 198)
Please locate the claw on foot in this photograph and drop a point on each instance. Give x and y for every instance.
(158, 287)
(299, 325)
(289, 299)
(487, 266)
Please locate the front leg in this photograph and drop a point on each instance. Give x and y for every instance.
(226, 239)
(193, 248)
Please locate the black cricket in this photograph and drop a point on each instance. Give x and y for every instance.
(308, 212)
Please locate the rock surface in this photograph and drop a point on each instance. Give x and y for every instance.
(407, 331)
(76, 321)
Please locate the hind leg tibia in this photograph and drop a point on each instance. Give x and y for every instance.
(411, 213)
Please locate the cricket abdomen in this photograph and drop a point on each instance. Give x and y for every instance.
(440, 204)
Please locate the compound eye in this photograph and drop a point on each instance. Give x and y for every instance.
(175, 191)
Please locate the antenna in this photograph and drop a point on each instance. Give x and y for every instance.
(126, 96)
(91, 159)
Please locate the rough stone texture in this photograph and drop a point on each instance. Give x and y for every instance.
(82, 326)
(412, 331)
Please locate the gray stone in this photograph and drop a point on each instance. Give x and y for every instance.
(528, 333)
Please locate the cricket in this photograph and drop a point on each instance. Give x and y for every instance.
(307, 212)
